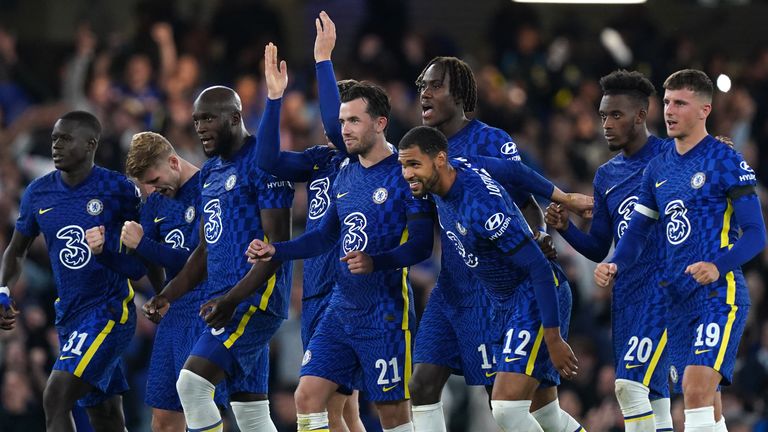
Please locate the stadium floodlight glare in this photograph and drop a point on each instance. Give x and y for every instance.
(723, 83)
(604, 2)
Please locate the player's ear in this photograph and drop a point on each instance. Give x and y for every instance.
(236, 118)
(705, 110)
(381, 123)
(173, 161)
(441, 159)
(641, 116)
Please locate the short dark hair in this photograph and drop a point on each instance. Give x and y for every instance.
(86, 119)
(428, 139)
(344, 85)
(375, 97)
(691, 79)
(463, 86)
(629, 83)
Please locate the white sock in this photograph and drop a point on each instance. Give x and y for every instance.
(429, 418)
(196, 395)
(253, 416)
(663, 415)
(553, 419)
(408, 427)
(635, 406)
(317, 422)
(720, 425)
(514, 416)
(700, 419)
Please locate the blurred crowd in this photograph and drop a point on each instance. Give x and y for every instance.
(539, 85)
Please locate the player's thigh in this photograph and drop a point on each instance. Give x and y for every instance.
(63, 389)
(641, 343)
(436, 340)
(312, 311)
(385, 359)
(330, 354)
(514, 386)
(477, 332)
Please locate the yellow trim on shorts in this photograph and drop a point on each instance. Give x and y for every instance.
(270, 286)
(92, 349)
(240, 327)
(408, 363)
(655, 359)
(534, 351)
(128, 299)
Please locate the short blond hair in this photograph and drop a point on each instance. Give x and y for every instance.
(147, 149)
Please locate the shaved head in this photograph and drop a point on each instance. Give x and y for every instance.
(220, 97)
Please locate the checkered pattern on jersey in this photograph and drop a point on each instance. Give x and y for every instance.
(690, 192)
(373, 206)
(320, 271)
(63, 214)
(616, 190)
(484, 226)
(233, 194)
(475, 139)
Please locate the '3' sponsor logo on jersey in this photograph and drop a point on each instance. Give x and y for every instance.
(213, 226)
(625, 211)
(678, 227)
(320, 200)
(355, 238)
(76, 253)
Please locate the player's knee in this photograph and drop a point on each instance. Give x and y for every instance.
(632, 397)
(306, 401)
(512, 415)
(167, 421)
(424, 391)
(55, 400)
(193, 389)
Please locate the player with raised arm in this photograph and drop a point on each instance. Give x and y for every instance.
(239, 202)
(80, 208)
(365, 334)
(318, 167)
(639, 304)
(703, 193)
(165, 236)
(454, 329)
(495, 243)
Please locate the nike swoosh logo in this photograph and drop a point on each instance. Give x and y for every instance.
(386, 389)
(489, 374)
(610, 189)
(341, 195)
(160, 219)
(316, 167)
(629, 366)
(205, 185)
(66, 357)
(44, 211)
(510, 360)
(698, 351)
(658, 184)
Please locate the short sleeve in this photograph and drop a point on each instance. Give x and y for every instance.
(736, 177)
(274, 193)
(26, 223)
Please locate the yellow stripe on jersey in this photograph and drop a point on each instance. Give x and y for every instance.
(655, 359)
(534, 351)
(270, 286)
(126, 300)
(240, 327)
(408, 363)
(404, 285)
(724, 240)
(93, 348)
(557, 281)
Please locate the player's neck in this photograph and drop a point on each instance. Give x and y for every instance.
(376, 154)
(454, 125)
(687, 143)
(75, 177)
(446, 181)
(637, 144)
(238, 140)
(187, 171)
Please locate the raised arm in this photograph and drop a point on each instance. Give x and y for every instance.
(327, 88)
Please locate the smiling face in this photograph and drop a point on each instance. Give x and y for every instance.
(438, 105)
(419, 170)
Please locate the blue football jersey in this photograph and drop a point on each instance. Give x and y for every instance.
(63, 214)
(372, 206)
(233, 194)
(320, 271)
(616, 191)
(485, 227)
(457, 285)
(690, 195)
